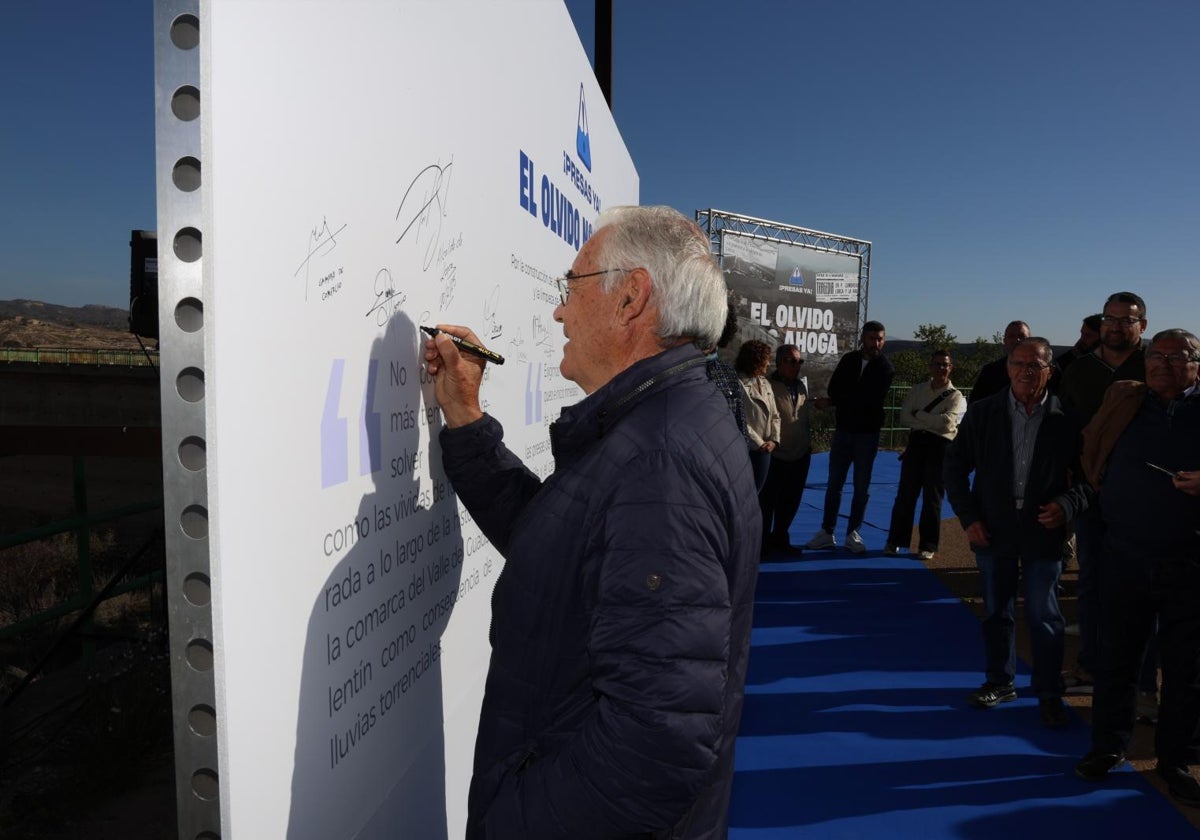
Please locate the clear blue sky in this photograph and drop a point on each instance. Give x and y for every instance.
(1007, 160)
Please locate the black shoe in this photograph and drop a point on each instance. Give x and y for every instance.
(792, 550)
(1180, 784)
(772, 545)
(991, 694)
(1078, 681)
(1097, 765)
(1053, 712)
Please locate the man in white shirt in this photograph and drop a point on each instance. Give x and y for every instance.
(932, 410)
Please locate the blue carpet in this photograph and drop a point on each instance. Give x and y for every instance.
(856, 722)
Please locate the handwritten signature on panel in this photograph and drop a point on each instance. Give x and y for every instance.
(388, 299)
(321, 241)
(449, 285)
(492, 327)
(426, 213)
(541, 332)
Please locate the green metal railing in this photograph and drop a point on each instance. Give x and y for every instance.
(65, 356)
(81, 524)
(891, 436)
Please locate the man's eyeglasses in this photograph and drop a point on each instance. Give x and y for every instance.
(1032, 367)
(1176, 359)
(564, 290)
(1127, 321)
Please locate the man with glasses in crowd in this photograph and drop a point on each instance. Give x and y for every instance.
(1120, 355)
(1141, 457)
(621, 620)
(1021, 447)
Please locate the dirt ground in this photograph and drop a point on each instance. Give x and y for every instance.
(955, 567)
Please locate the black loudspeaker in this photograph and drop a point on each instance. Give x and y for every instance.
(143, 283)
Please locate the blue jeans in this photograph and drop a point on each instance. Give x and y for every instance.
(846, 448)
(998, 576)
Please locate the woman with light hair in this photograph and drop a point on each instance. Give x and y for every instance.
(758, 402)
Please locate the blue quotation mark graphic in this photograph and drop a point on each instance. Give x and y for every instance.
(335, 430)
(533, 395)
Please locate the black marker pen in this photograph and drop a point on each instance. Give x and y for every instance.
(467, 347)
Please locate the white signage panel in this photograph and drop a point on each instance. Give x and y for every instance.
(369, 168)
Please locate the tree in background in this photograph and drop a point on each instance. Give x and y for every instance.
(912, 366)
(973, 356)
(935, 337)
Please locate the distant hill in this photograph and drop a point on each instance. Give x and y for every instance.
(32, 323)
(962, 348)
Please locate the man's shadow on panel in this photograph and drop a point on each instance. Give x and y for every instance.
(370, 746)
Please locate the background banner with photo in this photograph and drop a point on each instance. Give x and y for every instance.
(791, 294)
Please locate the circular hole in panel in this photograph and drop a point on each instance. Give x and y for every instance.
(190, 384)
(205, 785)
(188, 245)
(186, 174)
(199, 654)
(185, 103)
(203, 720)
(208, 835)
(193, 453)
(189, 314)
(194, 521)
(197, 589)
(185, 32)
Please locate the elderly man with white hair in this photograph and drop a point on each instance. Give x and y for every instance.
(621, 619)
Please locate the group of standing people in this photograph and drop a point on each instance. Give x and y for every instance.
(780, 440)
(1095, 454)
(1106, 443)
(778, 434)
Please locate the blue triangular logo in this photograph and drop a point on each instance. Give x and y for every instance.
(583, 143)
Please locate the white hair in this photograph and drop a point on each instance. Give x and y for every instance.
(1190, 339)
(687, 287)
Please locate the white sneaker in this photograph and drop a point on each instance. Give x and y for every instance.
(821, 539)
(854, 543)
(890, 550)
(926, 555)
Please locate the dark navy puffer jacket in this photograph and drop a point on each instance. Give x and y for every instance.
(621, 619)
